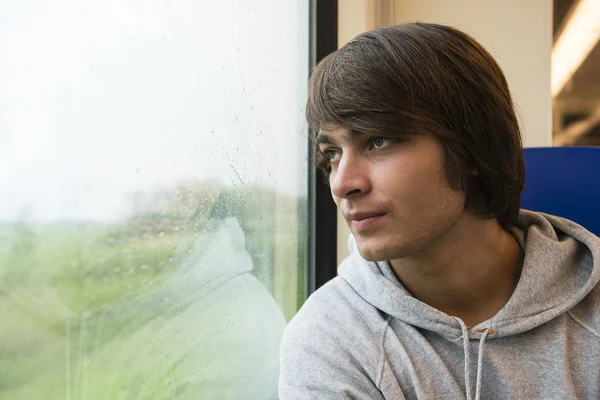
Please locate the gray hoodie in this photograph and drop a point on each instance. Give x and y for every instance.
(363, 336)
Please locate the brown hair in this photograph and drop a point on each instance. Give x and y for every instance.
(422, 78)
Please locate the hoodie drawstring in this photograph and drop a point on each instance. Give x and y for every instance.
(467, 350)
(485, 334)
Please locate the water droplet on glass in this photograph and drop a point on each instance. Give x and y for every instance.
(231, 323)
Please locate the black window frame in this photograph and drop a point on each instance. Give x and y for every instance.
(322, 248)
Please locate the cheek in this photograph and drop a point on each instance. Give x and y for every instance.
(410, 176)
(421, 188)
(435, 195)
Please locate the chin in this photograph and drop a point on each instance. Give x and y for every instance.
(379, 251)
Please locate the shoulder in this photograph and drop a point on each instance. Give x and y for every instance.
(333, 309)
(334, 324)
(333, 347)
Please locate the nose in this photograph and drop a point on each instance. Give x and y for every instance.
(349, 178)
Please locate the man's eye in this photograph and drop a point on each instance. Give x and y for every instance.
(332, 155)
(382, 143)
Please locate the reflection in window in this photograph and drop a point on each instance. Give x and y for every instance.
(153, 223)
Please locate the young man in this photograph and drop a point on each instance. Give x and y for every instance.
(450, 289)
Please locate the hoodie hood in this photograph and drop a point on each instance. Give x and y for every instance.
(561, 266)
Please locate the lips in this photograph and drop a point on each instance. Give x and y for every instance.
(357, 216)
(365, 220)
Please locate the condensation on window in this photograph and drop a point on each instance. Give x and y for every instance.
(153, 186)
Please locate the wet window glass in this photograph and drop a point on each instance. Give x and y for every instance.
(153, 186)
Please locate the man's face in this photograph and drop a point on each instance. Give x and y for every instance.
(392, 191)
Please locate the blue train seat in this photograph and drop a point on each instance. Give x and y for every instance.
(564, 181)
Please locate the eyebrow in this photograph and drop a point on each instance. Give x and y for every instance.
(345, 137)
(323, 139)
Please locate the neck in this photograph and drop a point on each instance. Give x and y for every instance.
(470, 272)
